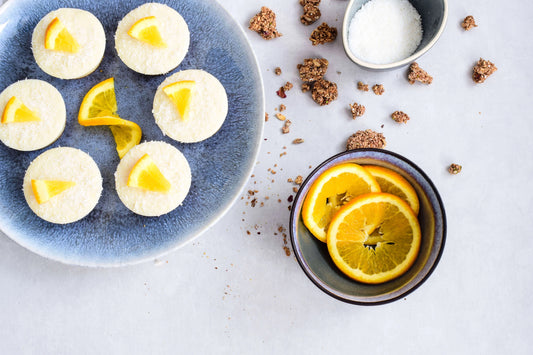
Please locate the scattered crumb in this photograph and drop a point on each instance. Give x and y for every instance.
(266, 116)
(400, 117)
(306, 87)
(357, 110)
(298, 141)
(418, 74)
(295, 189)
(324, 92)
(277, 71)
(285, 128)
(311, 13)
(482, 70)
(282, 108)
(299, 179)
(287, 250)
(468, 23)
(323, 34)
(310, 2)
(264, 23)
(366, 139)
(282, 154)
(455, 169)
(362, 86)
(281, 92)
(378, 89)
(280, 117)
(313, 69)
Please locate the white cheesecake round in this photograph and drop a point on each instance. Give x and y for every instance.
(207, 112)
(64, 164)
(86, 30)
(46, 102)
(174, 167)
(145, 58)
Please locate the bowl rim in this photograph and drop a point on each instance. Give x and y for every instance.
(323, 285)
(397, 64)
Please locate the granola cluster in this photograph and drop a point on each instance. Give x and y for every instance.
(362, 86)
(366, 139)
(455, 169)
(416, 73)
(277, 71)
(468, 23)
(313, 69)
(312, 73)
(311, 11)
(264, 23)
(281, 92)
(323, 34)
(324, 92)
(482, 70)
(357, 110)
(378, 89)
(400, 117)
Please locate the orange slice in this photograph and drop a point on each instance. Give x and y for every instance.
(374, 238)
(146, 175)
(331, 190)
(58, 38)
(44, 190)
(147, 30)
(393, 183)
(16, 111)
(180, 93)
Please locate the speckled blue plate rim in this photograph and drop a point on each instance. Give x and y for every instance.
(298, 252)
(246, 166)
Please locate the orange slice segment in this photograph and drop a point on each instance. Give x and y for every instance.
(146, 175)
(16, 111)
(180, 93)
(58, 38)
(44, 190)
(147, 30)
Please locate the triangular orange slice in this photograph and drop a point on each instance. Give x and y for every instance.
(58, 38)
(146, 175)
(180, 93)
(16, 111)
(147, 31)
(44, 190)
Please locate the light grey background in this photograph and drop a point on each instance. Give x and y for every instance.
(229, 292)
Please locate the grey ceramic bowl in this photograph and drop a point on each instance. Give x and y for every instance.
(313, 255)
(434, 14)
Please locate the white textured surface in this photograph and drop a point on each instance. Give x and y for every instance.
(174, 167)
(145, 58)
(208, 108)
(46, 102)
(233, 293)
(64, 164)
(88, 32)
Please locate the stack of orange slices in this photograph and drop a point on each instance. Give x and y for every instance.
(367, 215)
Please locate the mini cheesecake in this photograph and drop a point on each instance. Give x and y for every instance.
(153, 194)
(40, 100)
(152, 39)
(202, 115)
(79, 27)
(79, 181)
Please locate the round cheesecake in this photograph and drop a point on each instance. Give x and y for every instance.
(64, 164)
(174, 167)
(145, 58)
(208, 108)
(46, 102)
(86, 30)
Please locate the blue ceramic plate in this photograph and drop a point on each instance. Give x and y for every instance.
(111, 235)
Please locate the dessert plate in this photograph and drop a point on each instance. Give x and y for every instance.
(111, 235)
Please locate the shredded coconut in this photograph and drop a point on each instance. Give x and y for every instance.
(385, 31)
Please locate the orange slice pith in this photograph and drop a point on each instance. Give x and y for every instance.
(180, 93)
(44, 190)
(58, 38)
(147, 30)
(146, 175)
(16, 111)
(99, 107)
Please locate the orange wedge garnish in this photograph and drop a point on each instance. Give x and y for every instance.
(44, 190)
(146, 175)
(16, 111)
(180, 93)
(58, 38)
(147, 31)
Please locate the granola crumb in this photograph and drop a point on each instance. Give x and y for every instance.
(311, 13)
(323, 34)
(310, 2)
(366, 139)
(418, 74)
(482, 70)
(357, 110)
(264, 23)
(324, 92)
(468, 23)
(288, 85)
(313, 69)
(455, 169)
(306, 87)
(362, 86)
(298, 141)
(378, 89)
(280, 117)
(299, 179)
(285, 128)
(287, 250)
(277, 71)
(281, 92)
(282, 154)
(400, 117)
(282, 108)
(266, 116)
